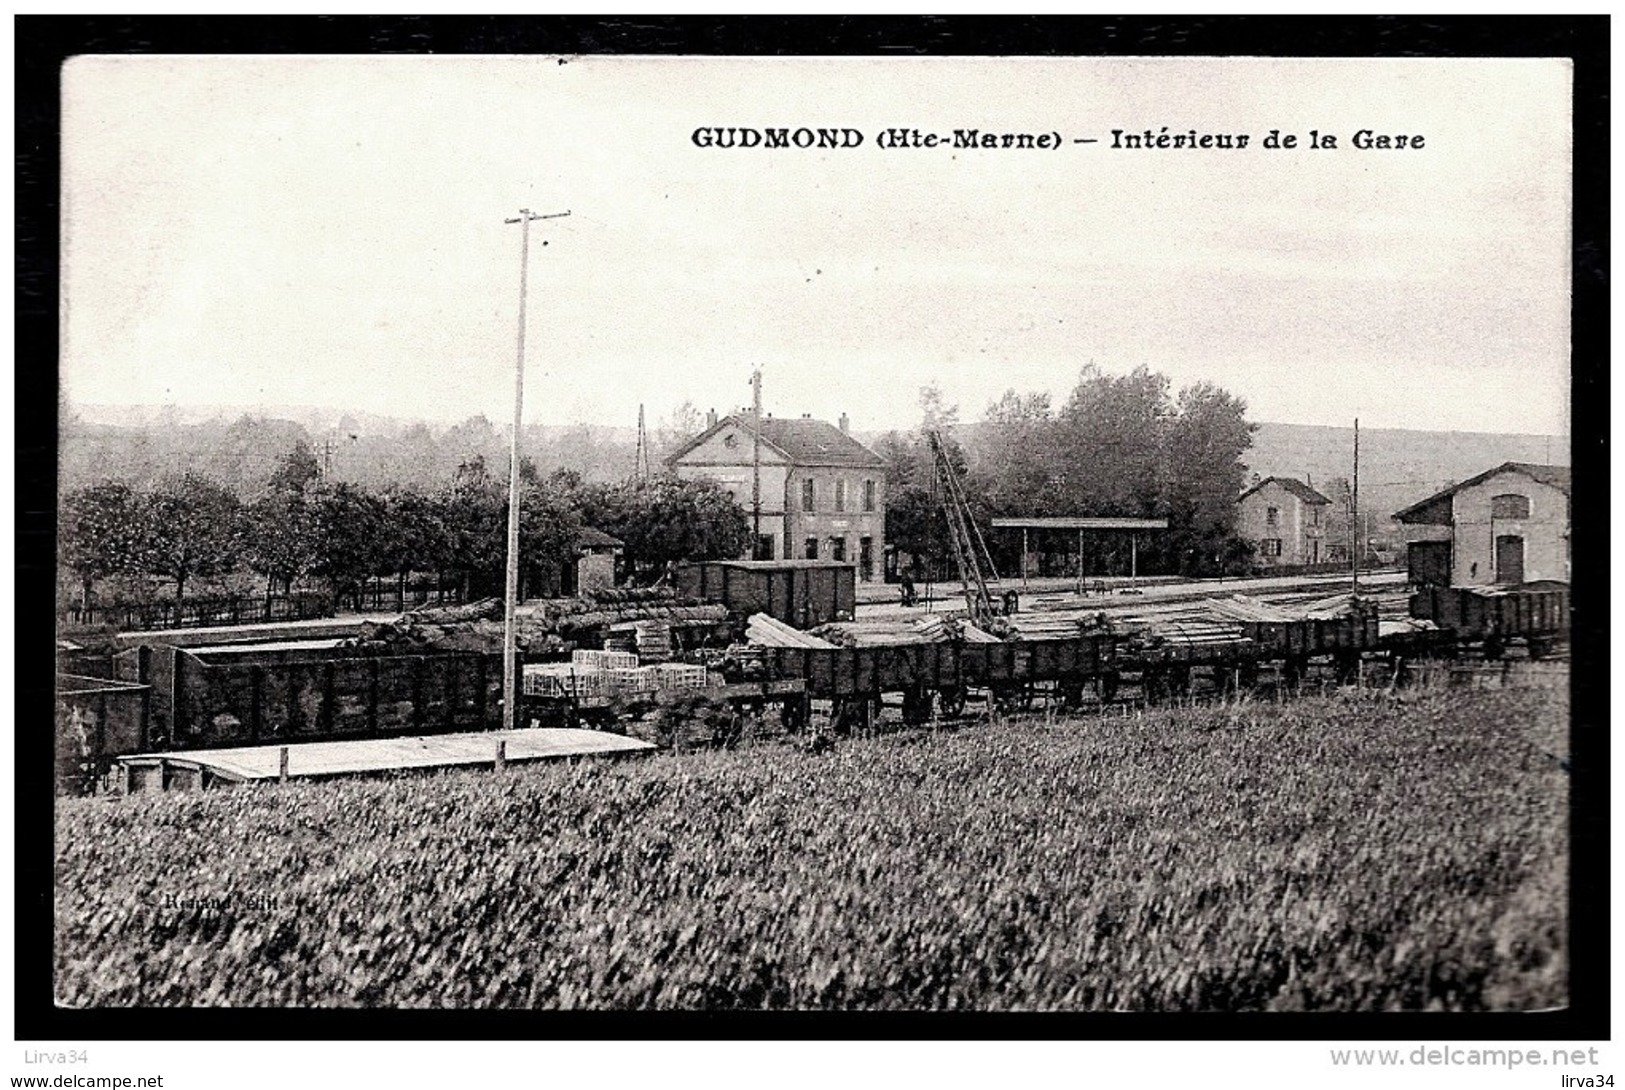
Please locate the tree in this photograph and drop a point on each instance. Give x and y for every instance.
(1016, 461)
(100, 533)
(416, 539)
(1202, 475)
(685, 422)
(666, 520)
(296, 471)
(549, 528)
(475, 513)
(1111, 432)
(190, 526)
(281, 538)
(352, 528)
(281, 529)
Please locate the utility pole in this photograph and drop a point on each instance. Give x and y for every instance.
(643, 449)
(756, 463)
(1354, 518)
(510, 643)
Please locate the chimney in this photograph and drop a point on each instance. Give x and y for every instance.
(710, 418)
(845, 423)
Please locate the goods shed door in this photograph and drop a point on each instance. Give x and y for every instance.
(1509, 559)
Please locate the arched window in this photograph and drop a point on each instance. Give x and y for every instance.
(1510, 506)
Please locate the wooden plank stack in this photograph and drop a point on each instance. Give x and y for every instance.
(771, 632)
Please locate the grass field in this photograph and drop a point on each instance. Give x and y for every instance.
(1351, 851)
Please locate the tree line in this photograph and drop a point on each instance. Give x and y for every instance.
(302, 527)
(1122, 446)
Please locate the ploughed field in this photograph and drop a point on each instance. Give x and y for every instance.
(1359, 850)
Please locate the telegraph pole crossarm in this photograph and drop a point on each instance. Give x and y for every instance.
(510, 642)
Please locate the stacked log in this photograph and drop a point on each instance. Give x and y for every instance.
(486, 609)
(771, 632)
(937, 628)
(1241, 607)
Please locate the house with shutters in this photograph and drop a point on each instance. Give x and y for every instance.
(1285, 520)
(822, 493)
(1508, 525)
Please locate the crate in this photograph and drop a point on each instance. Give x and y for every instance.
(677, 675)
(604, 660)
(562, 680)
(629, 679)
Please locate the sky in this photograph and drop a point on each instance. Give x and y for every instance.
(328, 231)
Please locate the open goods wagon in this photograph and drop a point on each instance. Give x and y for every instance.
(1162, 662)
(1535, 613)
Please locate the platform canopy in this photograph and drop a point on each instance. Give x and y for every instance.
(1079, 524)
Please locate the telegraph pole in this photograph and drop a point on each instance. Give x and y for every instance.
(756, 463)
(510, 642)
(642, 469)
(1354, 518)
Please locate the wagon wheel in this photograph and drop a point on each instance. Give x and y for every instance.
(1347, 666)
(951, 700)
(1238, 678)
(1494, 647)
(917, 703)
(1071, 693)
(1014, 696)
(1292, 670)
(1154, 682)
(1106, 685)
(794, 713)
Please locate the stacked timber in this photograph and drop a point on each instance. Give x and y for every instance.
(971, 634)
(1181, 641)
(771, 632)
(1050, 626)
(884, 633)
(1241, 607)
(486, 609)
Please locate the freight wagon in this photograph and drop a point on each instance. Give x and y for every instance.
(1536, 614)
(230, 696)
(803, 593)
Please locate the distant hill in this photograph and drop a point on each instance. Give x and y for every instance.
(241, 449)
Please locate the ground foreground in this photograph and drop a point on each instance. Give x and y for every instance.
(1353, 851)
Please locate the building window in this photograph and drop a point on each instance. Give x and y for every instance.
(1509, 506)
(1314, 514)
(837, 548)
(840, 495)
(807, 495)
(1270, 546)
(812, 548)
(868, 495)
(1272, 516)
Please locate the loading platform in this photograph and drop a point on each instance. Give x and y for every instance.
(204, 768)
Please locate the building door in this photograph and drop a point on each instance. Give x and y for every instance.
(866, 559)
(1509, 559)
(837, 548)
